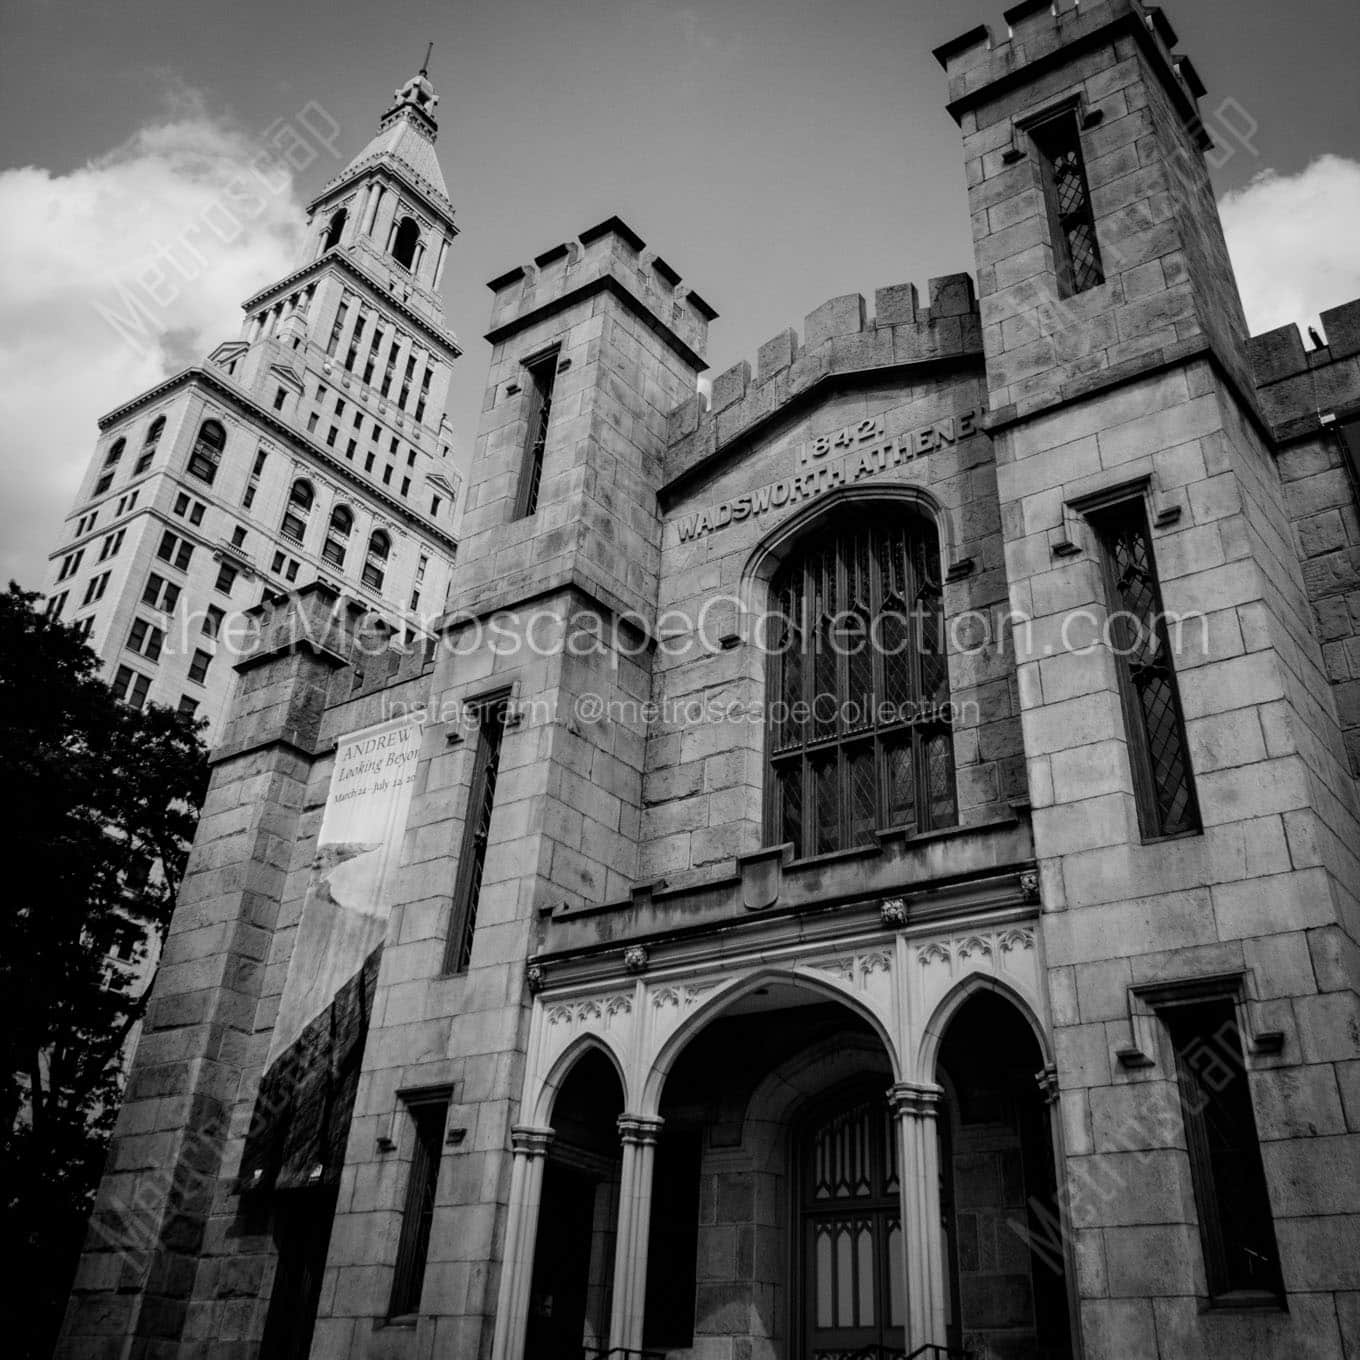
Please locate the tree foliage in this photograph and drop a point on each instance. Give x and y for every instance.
(103, 799)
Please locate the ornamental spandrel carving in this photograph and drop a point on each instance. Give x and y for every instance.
(977, 947)
(581, 1012)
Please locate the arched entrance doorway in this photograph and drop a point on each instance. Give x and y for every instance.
(569, 1292)
(1007, 1291)
(790, 1241)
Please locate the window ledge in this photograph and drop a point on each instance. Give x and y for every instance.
(1245, 1301)
(1171, 839)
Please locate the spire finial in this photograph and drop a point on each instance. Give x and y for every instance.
(425, 65)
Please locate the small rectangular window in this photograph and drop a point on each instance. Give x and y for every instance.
(280, 397)
(198, 667)
(429, 1117)
(226, 578)
(188, 705)
(181, 503)
(434, 506)
(249, 498)
(196, 514)
(1158, 752)
(259, 463)
(1076, 251)
(238, 536)
(542, 375)
(476, 833)
(1241, 1258)
(212, 621)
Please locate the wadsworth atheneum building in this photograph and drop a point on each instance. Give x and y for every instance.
(868, 867)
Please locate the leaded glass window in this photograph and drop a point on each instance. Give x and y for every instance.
(1152, 709)
(1076, 251)
(859, 716)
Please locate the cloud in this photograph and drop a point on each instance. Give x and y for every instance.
(1292, 241)
(112, 276)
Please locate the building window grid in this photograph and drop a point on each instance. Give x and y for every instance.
(1158, 750)
(94, 591)
(153, 438)
(860, 687)
(491, 715)
(207, 451)
(146, 639)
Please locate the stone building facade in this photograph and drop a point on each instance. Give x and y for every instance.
(316, 446)
(880, 871)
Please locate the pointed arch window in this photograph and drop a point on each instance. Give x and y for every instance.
(297, 510)
(334, 230)
(858, 686)
(405, 241)
(207, 451)
(149, 445)
(110, 467)
(375, 562)
(337, 535)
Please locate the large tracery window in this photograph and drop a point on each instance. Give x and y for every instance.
(859, 730)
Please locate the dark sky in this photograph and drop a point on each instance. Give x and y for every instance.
(777, 152)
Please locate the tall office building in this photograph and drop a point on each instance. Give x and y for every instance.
(315, 447)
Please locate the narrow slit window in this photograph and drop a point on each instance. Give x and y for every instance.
(476, 835)
(541, 378)
(1237, 1230)
(1076, 251)
(1158, 751)
(413, 1247)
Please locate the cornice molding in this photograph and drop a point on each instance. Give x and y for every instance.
(419, 187)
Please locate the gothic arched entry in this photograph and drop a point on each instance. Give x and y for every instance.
(1007, 1288)
(569, 1293)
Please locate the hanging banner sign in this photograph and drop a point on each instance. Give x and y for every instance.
(306, 1096)
(348, 900)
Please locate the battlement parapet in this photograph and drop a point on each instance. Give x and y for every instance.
(1044, 32)
(1294, 384)
(839, 338)
(608, 255)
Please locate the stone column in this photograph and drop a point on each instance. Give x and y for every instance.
(639, 1133)
(915, 1108)
(529, 1146)
(1047, 1081)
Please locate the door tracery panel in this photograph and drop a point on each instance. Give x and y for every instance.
(851, 1227)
